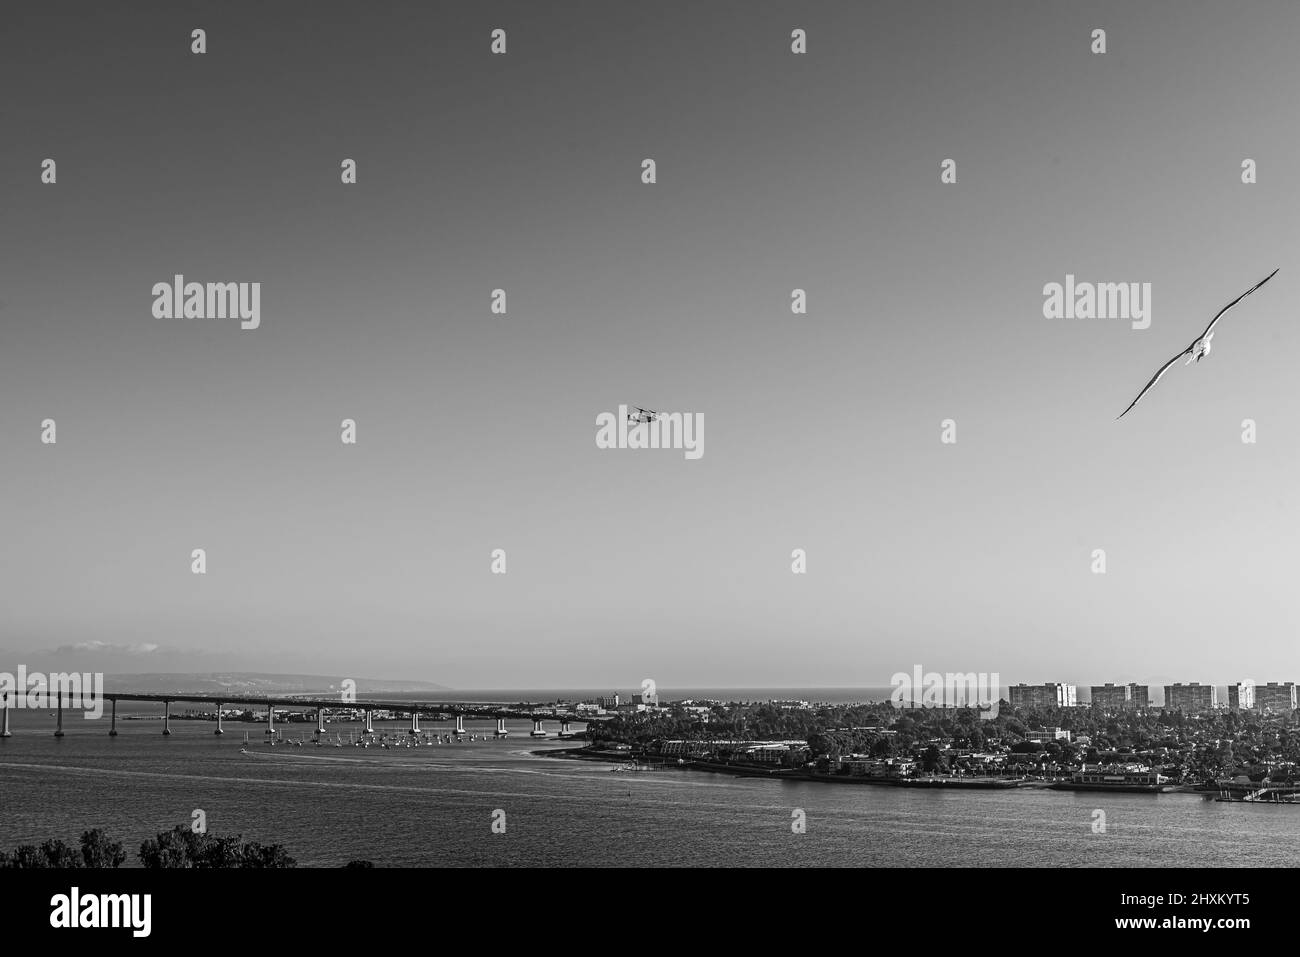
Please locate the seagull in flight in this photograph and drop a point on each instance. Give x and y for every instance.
(1200, 347)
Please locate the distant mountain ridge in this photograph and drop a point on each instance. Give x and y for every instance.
(251, 682)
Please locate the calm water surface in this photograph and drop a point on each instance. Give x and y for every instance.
(433, 806)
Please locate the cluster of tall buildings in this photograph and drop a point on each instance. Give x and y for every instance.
(1276, 697)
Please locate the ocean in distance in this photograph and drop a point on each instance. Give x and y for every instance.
(433, 805)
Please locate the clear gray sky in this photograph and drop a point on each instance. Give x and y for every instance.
(476, 432)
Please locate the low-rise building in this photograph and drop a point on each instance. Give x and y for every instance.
(775, 752)
(864, 765)
(684, 748)
(1043, 735)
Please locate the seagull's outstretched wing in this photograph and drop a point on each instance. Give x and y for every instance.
(1154, 379)
(1208, 329)
(1235, 301)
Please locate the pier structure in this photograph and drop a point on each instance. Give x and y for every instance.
(1274, 794)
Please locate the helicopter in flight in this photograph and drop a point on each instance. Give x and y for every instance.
(641, 416)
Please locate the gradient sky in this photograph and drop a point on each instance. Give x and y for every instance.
(478, 432)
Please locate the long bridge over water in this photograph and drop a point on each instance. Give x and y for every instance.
(457, 711)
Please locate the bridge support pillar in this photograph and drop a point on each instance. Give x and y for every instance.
(501, 728)
(112, 724)
(320, 723)
(4, 717)
(565, 730)
(537, 731)
(167, 717)
(270, 719)
(370, 726)
(415, 722)
(220, 730)
(460, 724)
